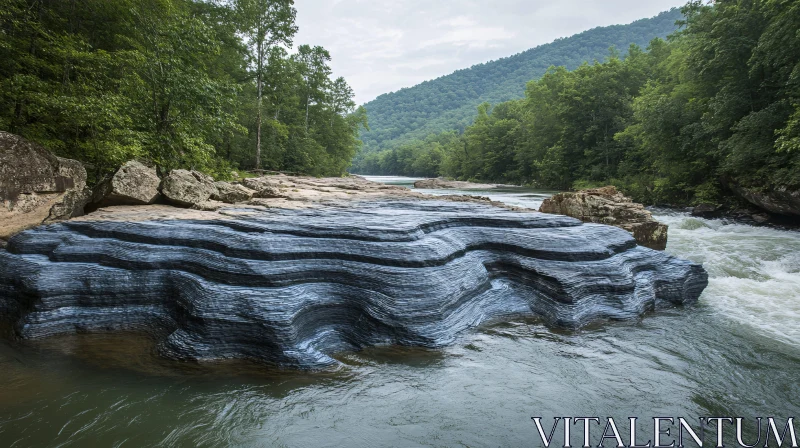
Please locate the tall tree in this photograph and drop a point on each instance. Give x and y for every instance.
(315, 71)
(266, 24)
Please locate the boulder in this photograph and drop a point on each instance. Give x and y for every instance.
(783, 201)
(439, 183)
(608, 206)
(258, 183)
(706, 211)
(232, 193)
(36, 187)
(133, 184)
(269, 192)
(187, 188)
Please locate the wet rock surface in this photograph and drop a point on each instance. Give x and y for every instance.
(294, 287)
(608, 206)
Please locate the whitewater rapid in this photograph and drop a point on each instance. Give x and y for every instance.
(754, 272)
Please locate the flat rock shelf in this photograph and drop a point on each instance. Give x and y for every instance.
(294, 287)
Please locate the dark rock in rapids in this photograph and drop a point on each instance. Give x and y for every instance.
(782, 201)
(707, 211)
(294, 287)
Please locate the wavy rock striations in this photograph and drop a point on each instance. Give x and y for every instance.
(293, 287)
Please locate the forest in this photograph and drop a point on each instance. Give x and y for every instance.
(449, 102)
(716, 102)
(207, 85)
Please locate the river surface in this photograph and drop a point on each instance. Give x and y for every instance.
(735, 353)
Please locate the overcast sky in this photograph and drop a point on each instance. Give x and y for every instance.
(380, 46)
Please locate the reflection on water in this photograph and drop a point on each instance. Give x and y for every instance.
(737, 352)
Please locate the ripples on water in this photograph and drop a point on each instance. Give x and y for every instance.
(737, 352)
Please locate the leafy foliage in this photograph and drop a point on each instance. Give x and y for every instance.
(448, 103)
(716, 102)
(179, 83)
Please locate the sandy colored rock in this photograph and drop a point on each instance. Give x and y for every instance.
(269, 192)
(232, 193)
(308, 193)
(608, 206)
(133, 184)
(439, 183)
(187, 188)
(36, 187)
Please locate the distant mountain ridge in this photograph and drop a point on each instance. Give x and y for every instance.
(449, 102)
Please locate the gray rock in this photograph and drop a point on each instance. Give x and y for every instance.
(133, 184)
(782, 201)
(608, 206)
(37, 187)
(232, 193)
(187, 188)
(269, 192)
(295, 287)
(706, 211)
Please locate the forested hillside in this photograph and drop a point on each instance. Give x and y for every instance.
(714, 109)
(449, 102)
(176, 83)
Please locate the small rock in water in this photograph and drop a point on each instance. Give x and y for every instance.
(706, 211)
(608, 206)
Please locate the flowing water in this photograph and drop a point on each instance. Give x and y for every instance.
(735, 353)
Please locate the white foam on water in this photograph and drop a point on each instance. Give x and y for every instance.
(754, 272)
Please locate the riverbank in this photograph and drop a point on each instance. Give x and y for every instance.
(742, 335)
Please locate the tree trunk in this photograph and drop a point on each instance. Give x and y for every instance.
(260, 95)
(308, 101)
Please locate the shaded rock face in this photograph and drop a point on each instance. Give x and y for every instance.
(37, 187)
(781, 201)
(188, 188)
(608, 206)
(133, 184)
(232, 193)
(294, 287)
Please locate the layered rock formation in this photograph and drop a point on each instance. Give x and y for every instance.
(608, 206)
(37, 187)
(293, 287)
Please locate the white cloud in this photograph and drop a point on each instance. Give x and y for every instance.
(384, 45)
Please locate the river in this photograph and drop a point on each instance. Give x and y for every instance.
(736, 352)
